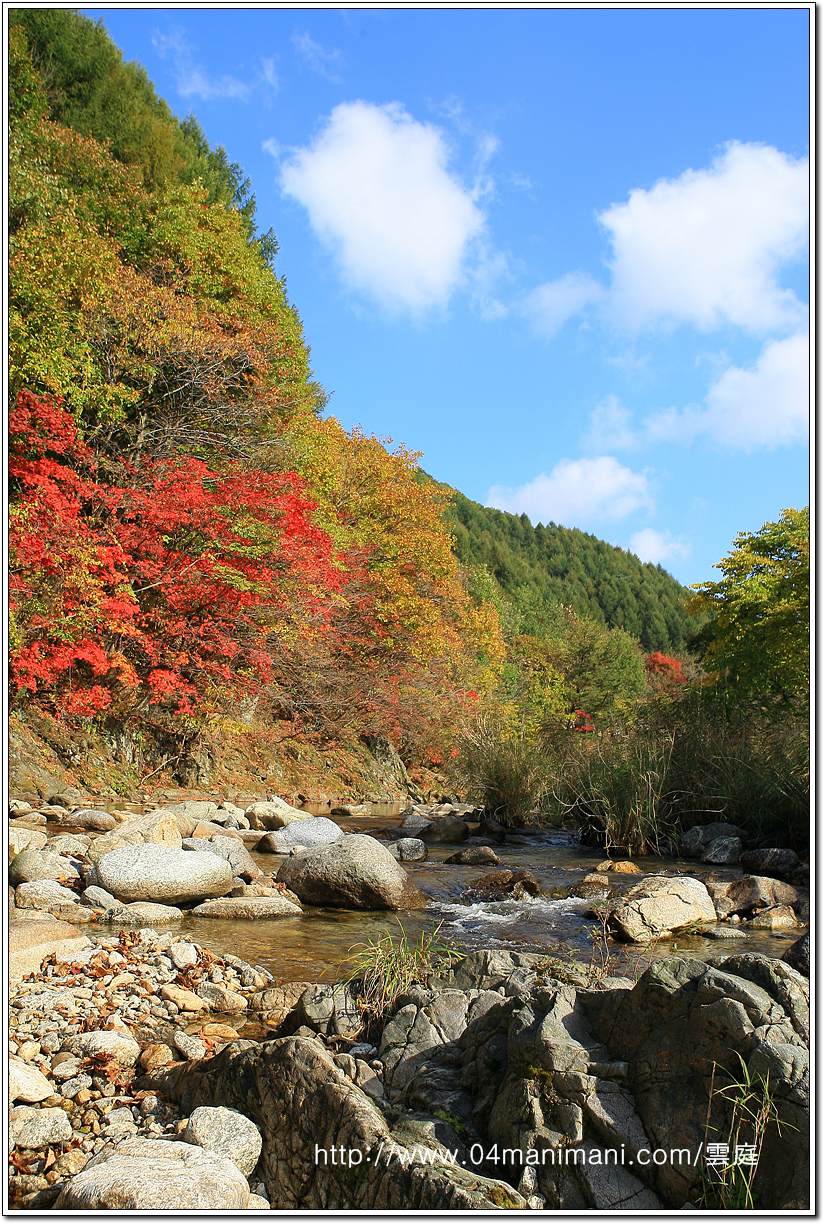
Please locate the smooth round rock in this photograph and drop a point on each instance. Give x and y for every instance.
(227, 1133)
(475, 856)
(164, 874)
(356, 872)
(138, 913)
(92, 818)
(156, 1175)
(409, 850)
(32, 865)
(119, 1047)
(43, 895)
(319, 831)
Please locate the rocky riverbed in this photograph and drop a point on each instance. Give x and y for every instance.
(143, 1060)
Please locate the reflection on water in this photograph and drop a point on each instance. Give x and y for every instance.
(315, 945)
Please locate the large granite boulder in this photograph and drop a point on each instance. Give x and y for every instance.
(571, 1088)
(305, 1105)
(317, 831)
(158, 828)
(749, 894)
(164, 874)
(660, 906)
(355, 872)
(274, 813)
(156, 1175)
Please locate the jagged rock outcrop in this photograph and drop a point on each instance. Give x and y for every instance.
(533, 1082)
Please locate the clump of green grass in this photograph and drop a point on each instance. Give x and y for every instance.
(508, 774)
(685, 762)
(384, 969)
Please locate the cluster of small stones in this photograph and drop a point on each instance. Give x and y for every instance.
(83, 1029)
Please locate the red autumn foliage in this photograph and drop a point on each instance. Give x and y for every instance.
(166, 582)
(664, 670)
(581, 721)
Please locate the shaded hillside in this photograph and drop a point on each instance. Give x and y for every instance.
(549, 565)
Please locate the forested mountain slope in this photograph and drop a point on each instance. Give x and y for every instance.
(554, 564)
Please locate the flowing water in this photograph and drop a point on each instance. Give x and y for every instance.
(315, 945)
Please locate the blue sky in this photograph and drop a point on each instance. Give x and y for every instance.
(563, 253)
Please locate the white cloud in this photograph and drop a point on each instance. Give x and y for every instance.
(609, 427)
(766, 405)
(325, 63)
(270, 76)
(550, 305)
(657, 546)
(577, 491)
(706, 248)
(191, 79)
(378, 192)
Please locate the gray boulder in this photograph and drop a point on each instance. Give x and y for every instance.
(31, 865)
(659, 907)
(227, 1133)
(692, 843)
(770, 862)
(156, 1175)
(228, 848)
(44, 895)
(26, 1083)
(37, 1128)
(318, 831)
(448, 829)
(408, 850)
(724, 850)
(355, 872)
(142, 913)
(120, 1048)
(164, 874)
(247, 908)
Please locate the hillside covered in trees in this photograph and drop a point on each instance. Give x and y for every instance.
(550, 564)
(194, 546)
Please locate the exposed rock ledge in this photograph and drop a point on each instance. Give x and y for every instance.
(501, 1054)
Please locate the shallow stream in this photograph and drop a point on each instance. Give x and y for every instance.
(315, 945)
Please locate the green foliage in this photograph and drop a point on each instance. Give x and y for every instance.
(758, 640)
(684, 761)
(91, 90)
(506, 772)
(386, 968)
(750, 1109)
(539, 568)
